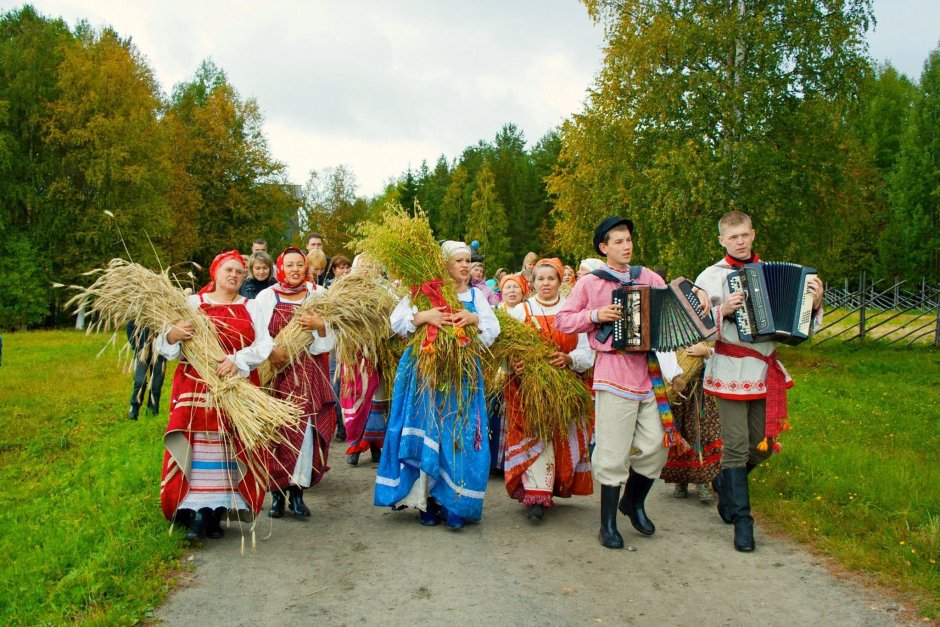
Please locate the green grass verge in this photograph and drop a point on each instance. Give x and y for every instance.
(83, 538)
(859, 476)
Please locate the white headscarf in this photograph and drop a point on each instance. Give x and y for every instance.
(451, 248)
(591, 264)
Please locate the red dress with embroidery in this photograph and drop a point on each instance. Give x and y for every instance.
(572, 464)
(306, 383)
(194, 425)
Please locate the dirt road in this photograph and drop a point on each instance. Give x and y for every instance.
(355, 563)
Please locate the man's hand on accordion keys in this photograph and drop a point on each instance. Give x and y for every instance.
(734, 302)
(815, 285)
(609, 313)
(703, 299)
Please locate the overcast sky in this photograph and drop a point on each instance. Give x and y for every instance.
(379, 85)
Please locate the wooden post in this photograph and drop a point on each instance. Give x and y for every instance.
(861, 307)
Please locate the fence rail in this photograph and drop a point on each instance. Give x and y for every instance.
(898, 314)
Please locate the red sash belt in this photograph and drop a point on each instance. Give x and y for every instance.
(776, 385)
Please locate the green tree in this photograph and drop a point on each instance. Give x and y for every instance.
(24, 298)
(914, 236)
(487, 220)
(227, 188)
(432, 185)
(332, 208)
(408, 190)
(707, 106)
(104, 134)
(455, 210)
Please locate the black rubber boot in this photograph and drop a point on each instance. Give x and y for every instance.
(376, 451)
(723, 503)
(277, 504)
(634, 500)
(340, 429)
(739, 506)
(296, 502)
(352, 459)
(197, 528)
(214, 530)
(609, 536)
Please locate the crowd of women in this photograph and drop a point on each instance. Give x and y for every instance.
(437, 447)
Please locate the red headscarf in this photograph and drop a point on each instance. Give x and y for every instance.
(217, 263)
(553, 262)
(283, 287)
(519, 279)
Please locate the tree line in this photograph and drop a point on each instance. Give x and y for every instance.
(773, 108)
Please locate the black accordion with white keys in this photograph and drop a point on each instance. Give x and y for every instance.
(778, 305)
(660, 318)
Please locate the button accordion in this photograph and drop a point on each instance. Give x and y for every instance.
(660, 318)
(778, 304)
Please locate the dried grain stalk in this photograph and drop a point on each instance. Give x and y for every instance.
(127, 291)
(405, 246)
(552, 398)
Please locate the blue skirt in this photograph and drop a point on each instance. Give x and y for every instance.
(426, 433)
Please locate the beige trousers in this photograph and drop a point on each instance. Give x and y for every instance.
(628, 434)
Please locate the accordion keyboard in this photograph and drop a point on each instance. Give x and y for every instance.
(741, 316)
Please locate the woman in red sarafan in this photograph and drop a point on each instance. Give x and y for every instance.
(301, 461)
(536, 470)
(205, 468)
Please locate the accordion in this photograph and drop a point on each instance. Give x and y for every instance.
(778, 305)
(660, 318)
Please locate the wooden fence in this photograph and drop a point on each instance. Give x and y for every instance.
(900, 314)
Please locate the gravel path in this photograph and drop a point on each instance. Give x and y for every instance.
(355, 563)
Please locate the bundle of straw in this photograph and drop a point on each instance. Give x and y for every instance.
(405, 246)
(691, 368)
(128, 291)
(357, 308)
(552, 398)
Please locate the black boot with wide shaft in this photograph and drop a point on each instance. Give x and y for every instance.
(718, 485)
(277, 504)
(734, 481)
(633, 504)
(609, 536)
(214, 529)
(296, 502)
(197, 528)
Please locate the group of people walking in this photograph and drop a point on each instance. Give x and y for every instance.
(441, 444)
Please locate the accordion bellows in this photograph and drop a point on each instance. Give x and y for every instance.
(660, 318)
(778, 305)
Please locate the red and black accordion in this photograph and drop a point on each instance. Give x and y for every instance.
(778, 305)
(660, 318)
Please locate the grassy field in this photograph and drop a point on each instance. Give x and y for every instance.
(859, 476)
(882, 326)
(83, 537)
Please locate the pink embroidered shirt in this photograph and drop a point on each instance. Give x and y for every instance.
(624, 374)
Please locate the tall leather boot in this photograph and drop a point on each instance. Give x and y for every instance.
(634, 502)
(723, 505)
(739, 506)
(197, 528)
(214, 530)
(296, 502)
(277, 504)
(609, 536)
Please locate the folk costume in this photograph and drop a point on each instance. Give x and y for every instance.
(750, 386)
(495, 401)
(301, 461)
(696, 418)
(536, 469)
(364, 402)
(204, 467)
(633, 424)
(436, 454)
